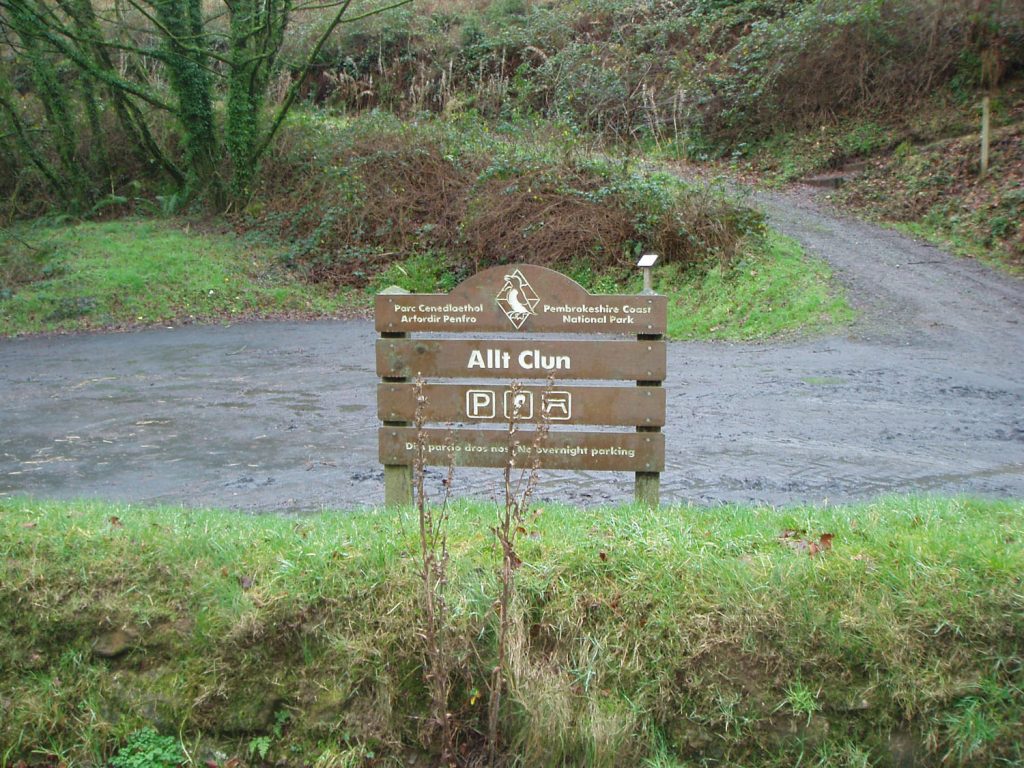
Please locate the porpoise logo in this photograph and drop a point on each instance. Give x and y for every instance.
(517, 298)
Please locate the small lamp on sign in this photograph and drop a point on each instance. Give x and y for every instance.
(647, 261)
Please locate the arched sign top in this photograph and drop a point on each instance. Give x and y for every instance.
(509, 274)
(520, 298)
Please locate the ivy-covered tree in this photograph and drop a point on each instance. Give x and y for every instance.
(133, 63)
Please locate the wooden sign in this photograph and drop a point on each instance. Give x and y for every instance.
(524, 299)
(595, 451)
(497, 358)
(493, 404)
(517, 301)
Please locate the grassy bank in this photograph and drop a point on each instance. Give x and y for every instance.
(345, 198)
(778, 291)
(139, 272)
(131, 272)
(673, 638)
(936, 192)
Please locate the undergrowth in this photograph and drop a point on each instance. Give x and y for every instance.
(710, 77)
(349, 196)
(936, 191)
(148, 749)
(669, 637)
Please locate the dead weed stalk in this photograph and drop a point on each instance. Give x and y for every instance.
(437, 625)
(520, 483)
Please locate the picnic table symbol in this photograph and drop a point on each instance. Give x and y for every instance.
(557, 405)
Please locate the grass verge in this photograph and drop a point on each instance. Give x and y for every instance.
(141, 272)
(773, 292)
(129, 273)
(773, 289)
(660, 638)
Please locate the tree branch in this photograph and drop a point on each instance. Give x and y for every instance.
(177, 40)
(375, 11)
(293, 91)
(37, 160)
(46, 33)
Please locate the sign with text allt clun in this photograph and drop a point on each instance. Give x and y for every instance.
(500, 316)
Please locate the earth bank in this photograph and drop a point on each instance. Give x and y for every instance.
(882, 634)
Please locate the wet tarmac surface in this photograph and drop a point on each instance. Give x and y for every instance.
(925, 393)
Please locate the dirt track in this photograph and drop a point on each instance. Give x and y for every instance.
(925, 393)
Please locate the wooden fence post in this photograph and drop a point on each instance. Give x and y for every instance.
(986, 132)
(647, 485)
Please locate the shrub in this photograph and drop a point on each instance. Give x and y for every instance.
(719, 73)
(379, 191)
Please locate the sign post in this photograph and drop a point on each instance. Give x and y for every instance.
(647, 485)
(397, 477)
(499, 314)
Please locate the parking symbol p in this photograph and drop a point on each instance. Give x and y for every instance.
(480, 404)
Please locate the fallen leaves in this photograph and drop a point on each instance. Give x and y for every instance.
(795, 539)
(244, 581)
(824, 543)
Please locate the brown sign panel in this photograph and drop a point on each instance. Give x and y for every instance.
(503, 359)
(521, 298)
(600, 451)
(498, 404)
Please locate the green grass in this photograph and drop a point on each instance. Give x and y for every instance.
(773, 291)
(142, 272)
(658, 638)
(780, 290)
